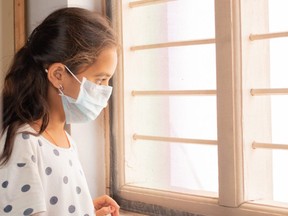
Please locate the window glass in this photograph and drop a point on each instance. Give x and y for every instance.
(160, 164)
(279, 104)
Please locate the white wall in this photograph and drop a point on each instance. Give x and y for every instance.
(90, 137)
(95, 4)
(39, 9)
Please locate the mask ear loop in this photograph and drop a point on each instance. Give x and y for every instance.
(72, 73)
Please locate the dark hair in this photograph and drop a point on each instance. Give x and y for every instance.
(72, 36)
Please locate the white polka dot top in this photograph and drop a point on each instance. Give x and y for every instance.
(41, 177)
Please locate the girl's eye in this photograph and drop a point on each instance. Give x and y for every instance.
(100, 81)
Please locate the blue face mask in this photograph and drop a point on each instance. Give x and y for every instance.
(92, 98)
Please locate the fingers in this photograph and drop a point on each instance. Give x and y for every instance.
(106, 205)
(103, 211)
(111, 202)
(115, 211)
(105, 201)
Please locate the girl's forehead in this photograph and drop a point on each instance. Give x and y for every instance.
(104, 65)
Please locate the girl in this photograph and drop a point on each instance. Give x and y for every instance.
(60, 76)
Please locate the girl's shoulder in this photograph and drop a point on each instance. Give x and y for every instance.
(24, 144)
(28, 144)
(26, 136)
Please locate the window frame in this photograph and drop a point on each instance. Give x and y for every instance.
(231, 201)
(19, 24)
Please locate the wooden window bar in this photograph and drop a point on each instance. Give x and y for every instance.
(147, 2)
(19, 24)
(256, 145)
(173, 44)
(175, 93)
(253, 37)
(175, 140)
(271, 91)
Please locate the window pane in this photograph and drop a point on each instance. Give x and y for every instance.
(147, 70)
(193, 117)
(178, 68)
(186, 174)
(174, 21)
(279, 104)
(278, 62)
(278, 15)
(163, 165)
(280, 176)
(190, 19)
(147, 24)
(192, 67)
(147, 167)
(184, 117)
(279, 107)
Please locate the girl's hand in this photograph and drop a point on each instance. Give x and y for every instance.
(105, 205)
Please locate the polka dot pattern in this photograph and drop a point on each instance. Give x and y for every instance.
(28, 211)
(40, 143)
(48, 171)
(8, 209)
(56, 152)
(25, 136)
(21, 164)
(65, 180)
(25, 188)
(71, 209)
(53, 200)
(5, 184)
(70, 196)
(33, 158)
(78, 190)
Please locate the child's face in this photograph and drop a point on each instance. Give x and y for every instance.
(100, 72)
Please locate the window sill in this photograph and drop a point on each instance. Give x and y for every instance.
(126, 213)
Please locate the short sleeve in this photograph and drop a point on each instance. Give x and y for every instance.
(21, 188)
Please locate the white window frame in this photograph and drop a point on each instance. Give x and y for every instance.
(232, 51)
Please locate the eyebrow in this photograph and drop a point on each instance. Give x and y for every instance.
(102, 74)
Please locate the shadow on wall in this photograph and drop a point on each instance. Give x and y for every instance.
(6, 36)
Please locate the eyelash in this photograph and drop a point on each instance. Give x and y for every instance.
(99, 81)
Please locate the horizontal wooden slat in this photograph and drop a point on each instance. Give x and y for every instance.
(271, 91)
(173, 44)
(253, 37)
(175, 93)
(256, 145)
(174, 139)
(147, 2)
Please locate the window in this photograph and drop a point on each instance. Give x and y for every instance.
(278, 70)
(195, 120)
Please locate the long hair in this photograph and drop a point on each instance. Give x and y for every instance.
(72, 36)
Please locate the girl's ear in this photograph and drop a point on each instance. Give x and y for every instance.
(55, 74)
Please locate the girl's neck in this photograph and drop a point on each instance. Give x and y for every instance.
(58, 138)
(54, 133)
(52, 125)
